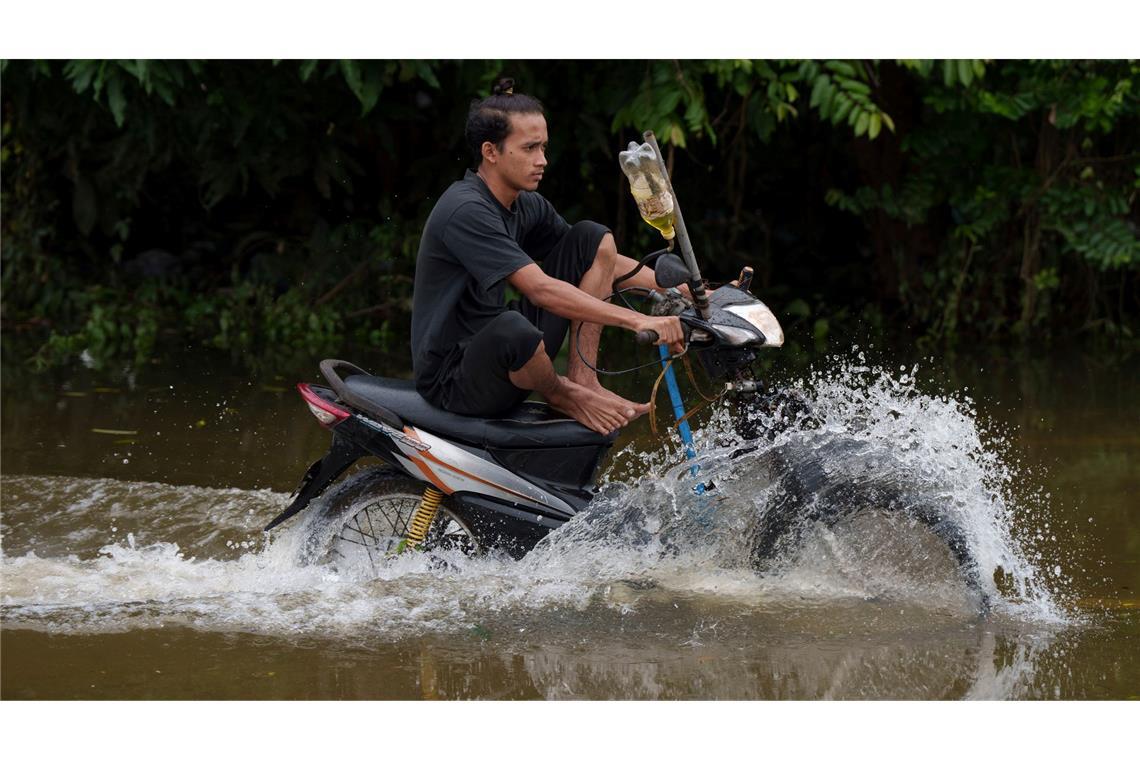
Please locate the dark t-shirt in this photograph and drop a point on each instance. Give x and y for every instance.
(470, 245)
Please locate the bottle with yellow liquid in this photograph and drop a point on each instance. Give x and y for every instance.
(649, 188)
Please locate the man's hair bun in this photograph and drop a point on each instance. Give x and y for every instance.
(504, 86)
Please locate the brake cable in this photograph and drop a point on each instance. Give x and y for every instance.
(621, 293)
(640, 265)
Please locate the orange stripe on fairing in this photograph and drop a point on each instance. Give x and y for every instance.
(411, 432)
(431, 476)
(478, 479)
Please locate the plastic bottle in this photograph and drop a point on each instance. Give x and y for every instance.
(650, 191)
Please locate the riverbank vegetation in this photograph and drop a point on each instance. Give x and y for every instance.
(274, 208)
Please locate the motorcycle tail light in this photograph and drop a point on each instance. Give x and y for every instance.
(326, 412)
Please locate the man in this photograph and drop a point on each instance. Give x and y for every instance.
(471, 353)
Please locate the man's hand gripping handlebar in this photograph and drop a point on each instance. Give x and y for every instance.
(661, 331)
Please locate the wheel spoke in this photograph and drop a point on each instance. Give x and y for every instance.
(368, 516)
(378, 521)
(362, 533)
(407, 516)
(371, 530)
(348, 540)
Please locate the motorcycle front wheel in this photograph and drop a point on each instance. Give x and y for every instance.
(363, 521)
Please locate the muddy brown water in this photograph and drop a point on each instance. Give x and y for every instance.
(133, 564)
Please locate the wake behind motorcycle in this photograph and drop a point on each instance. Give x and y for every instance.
(451, 481)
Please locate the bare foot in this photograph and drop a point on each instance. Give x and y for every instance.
(591, 382)
(601, 412)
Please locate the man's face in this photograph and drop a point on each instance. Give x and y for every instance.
(522, 161)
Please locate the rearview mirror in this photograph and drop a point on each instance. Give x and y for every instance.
(670, 271)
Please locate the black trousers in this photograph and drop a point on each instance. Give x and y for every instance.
(480, 385)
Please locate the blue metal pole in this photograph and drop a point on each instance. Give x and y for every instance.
(679, 413)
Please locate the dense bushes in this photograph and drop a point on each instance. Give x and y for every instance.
(261, 206)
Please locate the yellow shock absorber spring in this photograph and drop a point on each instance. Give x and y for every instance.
(425, 513)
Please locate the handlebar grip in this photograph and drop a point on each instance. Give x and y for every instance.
(646, 336)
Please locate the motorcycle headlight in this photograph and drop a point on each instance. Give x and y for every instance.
(736, 336)
(765, 321)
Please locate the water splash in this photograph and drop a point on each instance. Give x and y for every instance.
(891, 476)
(98, 555)
(934, 454)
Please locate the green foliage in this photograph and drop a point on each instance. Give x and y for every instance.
(368, 79)
(110, 81)
(672, 97)
(953, 72)
(1035, 164)
(670, 101)
(841, 93)
(248, 322)
(250, 319)
(113, 329)
(1092, 221)
(262, 206)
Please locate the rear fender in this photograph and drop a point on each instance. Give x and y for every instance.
(341, 454)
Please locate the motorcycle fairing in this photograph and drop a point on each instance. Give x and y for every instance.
(540, 487)
(452, 469)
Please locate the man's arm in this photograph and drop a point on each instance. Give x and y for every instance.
(567, 301)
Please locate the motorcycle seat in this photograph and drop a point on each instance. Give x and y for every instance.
(530, 425)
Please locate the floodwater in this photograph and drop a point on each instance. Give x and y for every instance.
(134, 567)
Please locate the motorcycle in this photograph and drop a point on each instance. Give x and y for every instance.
(478, 484)
(449, 481)
(457, 482)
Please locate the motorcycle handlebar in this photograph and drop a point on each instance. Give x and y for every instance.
(646, 337)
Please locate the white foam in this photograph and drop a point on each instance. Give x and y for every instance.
(211, 569)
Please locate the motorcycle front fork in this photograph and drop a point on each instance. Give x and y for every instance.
(763, 411)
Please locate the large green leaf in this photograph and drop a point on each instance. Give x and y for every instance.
(844, 108)
(306, 69)
(965, 72)
(116, 98)
(842, 67)
(81, 74)
(875, 124)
